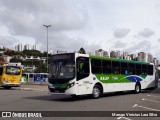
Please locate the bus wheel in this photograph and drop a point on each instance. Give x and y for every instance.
(96, 93)
(7, 87)
(137, 88)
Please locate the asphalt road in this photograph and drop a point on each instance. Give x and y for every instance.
(25, 100)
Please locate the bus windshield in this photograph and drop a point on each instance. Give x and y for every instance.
(12, 70)
(61, 70)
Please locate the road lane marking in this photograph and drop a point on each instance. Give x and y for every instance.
(123, 118)
(145, 107)
(153, 96)
(150, 100)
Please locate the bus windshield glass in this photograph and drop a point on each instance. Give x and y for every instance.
(12, 70)
(62, 68)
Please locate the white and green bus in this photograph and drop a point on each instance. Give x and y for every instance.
(82, 74)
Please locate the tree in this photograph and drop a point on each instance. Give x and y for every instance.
(10, 52)
(31, 52)
(82, 51)
(15, 60)
(41, 68)
(1, 59)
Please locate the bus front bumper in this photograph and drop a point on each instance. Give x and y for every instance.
(52, 91)
(11, 84)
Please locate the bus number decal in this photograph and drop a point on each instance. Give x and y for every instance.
(114, 78)
(104, 78)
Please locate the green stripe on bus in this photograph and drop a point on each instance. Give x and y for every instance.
(110, 78)
(116, 59)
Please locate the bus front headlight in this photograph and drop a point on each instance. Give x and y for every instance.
(70, 85)
(5, 81)
(50, 85)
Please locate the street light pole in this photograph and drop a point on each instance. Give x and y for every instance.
(47, 26)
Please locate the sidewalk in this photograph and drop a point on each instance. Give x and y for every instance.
(33, 86)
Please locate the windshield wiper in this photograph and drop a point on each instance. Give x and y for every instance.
(59, 69)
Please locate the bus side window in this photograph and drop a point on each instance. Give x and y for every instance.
(150, 70)
(82, 67)
(144, 69)
(115, 67)
(96, 66)
(138, 69)
(124, 68)
(131, 67)
(106, 65)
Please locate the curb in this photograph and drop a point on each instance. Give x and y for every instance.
(33, 83)
(32, 89)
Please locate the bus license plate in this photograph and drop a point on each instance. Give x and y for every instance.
(56, 91)
(12, 80)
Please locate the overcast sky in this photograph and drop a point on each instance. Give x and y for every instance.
(125, 25)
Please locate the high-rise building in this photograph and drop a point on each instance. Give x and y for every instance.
(128, 57)
(1, 47)
(150, 58)
(118, 54)
(133, 57)
(155, 61)
(19, 47)
(101, 52)
(16, 48)
(125, 54)
(113, 54)
(105, 54)
(142, 57)
(36, 47)
(28, 47)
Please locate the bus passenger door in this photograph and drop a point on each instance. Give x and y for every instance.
(82, 66)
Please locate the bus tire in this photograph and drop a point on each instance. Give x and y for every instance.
(96, 92)
(7, 87)
(137, 88)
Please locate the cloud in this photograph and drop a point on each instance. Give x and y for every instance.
(147, 32)
(27, 18)
(76, 22)
(8, 41)
(119, 44)
(62, 41)
(139, 47)
(29, 15)
(121, 32)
